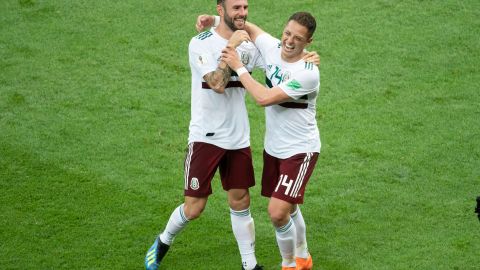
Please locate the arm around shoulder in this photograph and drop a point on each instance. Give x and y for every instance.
(253, 30)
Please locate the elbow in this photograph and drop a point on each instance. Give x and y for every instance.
(263, 102)
(218, 88)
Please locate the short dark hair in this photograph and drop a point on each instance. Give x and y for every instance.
(306, 19)
(220, 2)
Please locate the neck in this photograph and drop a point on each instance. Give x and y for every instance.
(292, 59)
(224, 31)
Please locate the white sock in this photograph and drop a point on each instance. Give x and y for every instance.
(175, 225)
(301, 249)
(286, 238)
(244, 231)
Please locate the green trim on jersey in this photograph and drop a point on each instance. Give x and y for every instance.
(308, 65)
(294, 85)
(204, 35)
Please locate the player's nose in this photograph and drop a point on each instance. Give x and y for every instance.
(242, 12)
(289, 40)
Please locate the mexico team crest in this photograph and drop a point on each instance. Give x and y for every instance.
(245, 57)
(194, 184)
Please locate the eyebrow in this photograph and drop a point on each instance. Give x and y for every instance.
(237, 6)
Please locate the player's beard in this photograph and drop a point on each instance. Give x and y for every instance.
(230, 22)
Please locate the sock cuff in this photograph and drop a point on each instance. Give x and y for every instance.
(182, 214)
(241, 213)
(295, 213)
(285, 228)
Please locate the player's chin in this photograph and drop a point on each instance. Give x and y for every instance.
(288, 51)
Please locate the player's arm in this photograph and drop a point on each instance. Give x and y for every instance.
(218, 79)
(253, 30)
(205, 21)
(262, 95)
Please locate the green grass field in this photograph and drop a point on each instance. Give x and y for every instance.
(94, 111)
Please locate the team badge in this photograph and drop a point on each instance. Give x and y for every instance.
(245, 58)
(194, 183)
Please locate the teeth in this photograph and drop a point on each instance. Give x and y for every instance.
(288, 47)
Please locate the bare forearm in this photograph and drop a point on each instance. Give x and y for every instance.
(218, 79)
(255, 89)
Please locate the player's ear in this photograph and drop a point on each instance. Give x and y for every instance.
(309, 41)
(220, 10)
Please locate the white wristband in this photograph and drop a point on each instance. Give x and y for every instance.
(241, 71)
(216, 21)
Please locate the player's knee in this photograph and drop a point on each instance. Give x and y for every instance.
(239, 200)
(193, 210)
(277, 217)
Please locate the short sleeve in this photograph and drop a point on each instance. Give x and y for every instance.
(302, 83)
(200, 57)
(265, 42)
(259, 62)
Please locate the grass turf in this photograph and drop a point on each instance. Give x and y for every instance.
(94, 111)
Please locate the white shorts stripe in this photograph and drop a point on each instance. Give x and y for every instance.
(301, 175)
(188, 159)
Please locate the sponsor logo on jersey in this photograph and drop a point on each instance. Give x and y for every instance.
(194, 184)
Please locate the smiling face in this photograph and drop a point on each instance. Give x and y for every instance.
(234, 13)
(295, 38)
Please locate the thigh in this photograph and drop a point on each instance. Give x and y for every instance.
(201, 163)
(294, 174)
(270, 174)
(236, 169)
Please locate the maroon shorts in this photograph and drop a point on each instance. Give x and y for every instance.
(202, 161)
(286, 179)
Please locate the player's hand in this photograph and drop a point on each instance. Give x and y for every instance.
(230, 56)
(237, 38)
(312, 57)
(204, 21)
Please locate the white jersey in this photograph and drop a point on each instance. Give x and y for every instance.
(291, 127)
(218, 119)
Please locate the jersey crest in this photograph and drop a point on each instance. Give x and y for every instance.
(245, 57)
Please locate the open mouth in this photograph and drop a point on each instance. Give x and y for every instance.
(240, 20)
(288, 48)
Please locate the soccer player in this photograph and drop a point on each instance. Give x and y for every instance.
(219, 135)
(292, 140)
